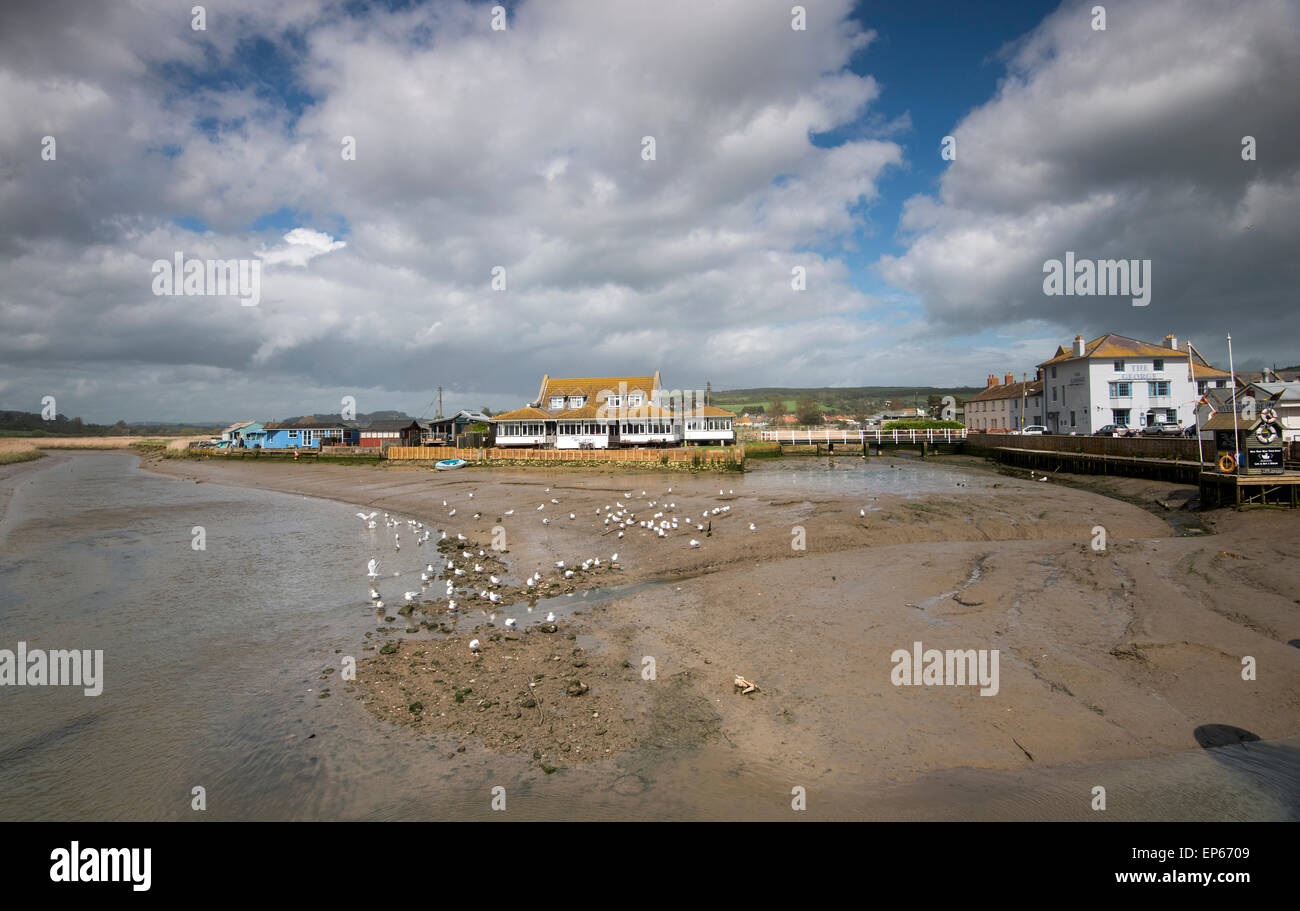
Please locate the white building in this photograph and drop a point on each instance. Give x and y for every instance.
(1123, 381)
(608, 412)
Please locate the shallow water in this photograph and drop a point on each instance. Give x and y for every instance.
(896, 475)
(213, 660)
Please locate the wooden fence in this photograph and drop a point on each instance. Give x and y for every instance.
(438, 453)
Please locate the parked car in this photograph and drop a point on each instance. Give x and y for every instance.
(1110, 430)
(1033, 430)
(1162, 429)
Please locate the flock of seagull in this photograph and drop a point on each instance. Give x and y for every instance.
(620, 516)
(659, 517)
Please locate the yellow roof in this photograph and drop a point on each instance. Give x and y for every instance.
(1112, 346)
(595, 388)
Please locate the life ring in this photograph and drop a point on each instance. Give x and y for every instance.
(1227, 464)
(1268, 416)
(1267, 434)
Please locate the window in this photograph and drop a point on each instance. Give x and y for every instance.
(557, 401)
(1071, 418)
(614, 401)
(1053, 373)
(634, 399)
(577, 401)
(1200, 387)
(1158, 388)
(1159, 364)
(1053, 388)
(1119, 366)
(1121, 390)
(1120, 417)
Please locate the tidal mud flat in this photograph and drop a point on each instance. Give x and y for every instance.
(1105, 655)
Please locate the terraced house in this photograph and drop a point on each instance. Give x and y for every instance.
(613, 411)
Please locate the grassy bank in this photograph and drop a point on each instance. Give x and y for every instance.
(21, 455)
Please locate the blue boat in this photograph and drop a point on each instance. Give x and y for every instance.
(449, 464)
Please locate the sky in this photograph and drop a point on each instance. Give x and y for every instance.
(426, 200)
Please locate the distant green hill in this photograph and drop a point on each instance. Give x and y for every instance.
(837, 399)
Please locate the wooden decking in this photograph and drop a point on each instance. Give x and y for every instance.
(1219, 489)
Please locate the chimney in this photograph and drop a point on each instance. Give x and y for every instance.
(1078, 346)
(1171, 342)
(708, 393)
(1039, 375)
(1011, 378)
(992, 381)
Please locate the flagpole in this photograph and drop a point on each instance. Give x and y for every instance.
(1236, 440)
(1191, 360)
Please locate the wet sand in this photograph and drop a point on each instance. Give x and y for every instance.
(1111, 655)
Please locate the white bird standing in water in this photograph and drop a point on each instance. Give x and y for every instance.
(374, 595)
(373, 567)
(510, 623)
(550, 618)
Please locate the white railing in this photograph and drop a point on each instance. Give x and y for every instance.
(863, 436)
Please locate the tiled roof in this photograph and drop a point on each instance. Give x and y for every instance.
(592, 386)
(522, 414)
(388, 426)
(1008, 391)
(305, 425)
(1112, 346)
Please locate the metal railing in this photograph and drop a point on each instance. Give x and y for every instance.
(947, 435)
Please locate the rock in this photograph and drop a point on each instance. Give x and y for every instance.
(576, 687)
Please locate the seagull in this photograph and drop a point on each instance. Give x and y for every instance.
(751, 526)
(510, 623)
(694, 543)
(494, 580)
(540, 508)
(510, 512)
(560, 563)
(572, 516)
(471, 496)
(473, 645)
(374, 595)
(373, 567)
(494, 597)
(379, 604)
(614, 559)
(411, 596)
(450, 514)
(365, 518)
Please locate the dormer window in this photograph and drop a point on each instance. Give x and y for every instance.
(577, 401)
(634, 399)
(614, 401)
(1159, 364)
(557, 401)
